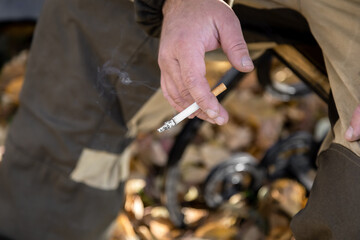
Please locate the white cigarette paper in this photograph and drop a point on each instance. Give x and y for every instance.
(189, 110)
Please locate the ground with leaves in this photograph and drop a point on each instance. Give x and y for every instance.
(257, 121)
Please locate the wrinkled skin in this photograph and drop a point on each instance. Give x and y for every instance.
(191, 28)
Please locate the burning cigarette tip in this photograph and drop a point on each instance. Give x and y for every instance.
(167, 125)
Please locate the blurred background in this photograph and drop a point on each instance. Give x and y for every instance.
(243, 180)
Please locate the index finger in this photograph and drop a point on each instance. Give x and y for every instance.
(193, 70)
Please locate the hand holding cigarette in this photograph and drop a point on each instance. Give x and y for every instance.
(186, 36)
(189, 110)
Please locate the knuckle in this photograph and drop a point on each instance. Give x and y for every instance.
(185, 93)
(162, 59)
(166, 96)
(178, 100)
(238, 46)
(190, 80)
(200, 100)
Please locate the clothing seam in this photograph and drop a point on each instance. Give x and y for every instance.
(335, 146)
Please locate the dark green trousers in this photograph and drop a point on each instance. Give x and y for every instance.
(333, 209)
(90, 69)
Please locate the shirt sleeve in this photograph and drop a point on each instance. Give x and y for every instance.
(149, 15)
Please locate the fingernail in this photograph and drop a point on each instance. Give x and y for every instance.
(211, 113)
(246, 61)
(220, 120)
(349, 133)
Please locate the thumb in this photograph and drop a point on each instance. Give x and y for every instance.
(353, 132)
(234, 45)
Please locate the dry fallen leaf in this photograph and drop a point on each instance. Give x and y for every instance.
(123, 229)
(160, 228)
(193, 215)
(135, 206)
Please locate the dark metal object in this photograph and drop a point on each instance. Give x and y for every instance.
(282, 91)
(231, 79)
(237, 174)
(292, 157)
(172, 174)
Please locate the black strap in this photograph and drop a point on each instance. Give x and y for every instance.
(333, 113)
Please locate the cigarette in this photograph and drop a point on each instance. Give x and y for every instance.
(189, 110)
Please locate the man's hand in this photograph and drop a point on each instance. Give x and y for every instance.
(191, 28)
(353, 132)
